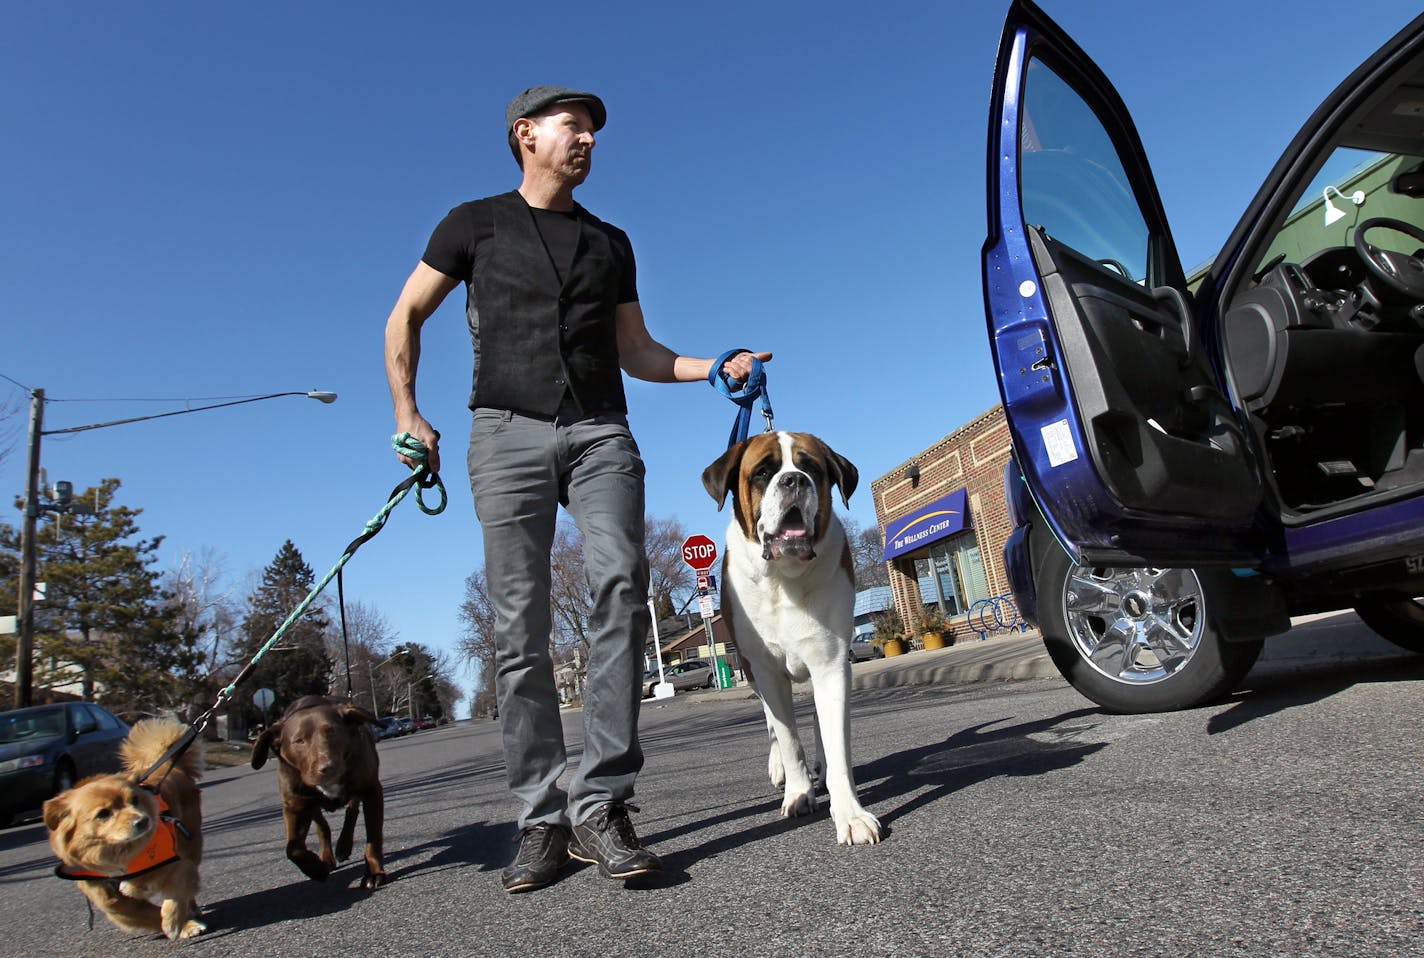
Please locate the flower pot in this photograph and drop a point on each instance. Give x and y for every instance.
(933, 640)
(893, 647)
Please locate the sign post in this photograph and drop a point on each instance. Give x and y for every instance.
(662, 690)
(700, 553)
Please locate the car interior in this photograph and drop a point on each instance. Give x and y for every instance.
(1324, 338)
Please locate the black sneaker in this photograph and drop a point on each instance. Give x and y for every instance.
(607, 838)
(543, 850)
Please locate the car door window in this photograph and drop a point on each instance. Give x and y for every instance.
(82, 721)
(105, 721)
(1072, 182)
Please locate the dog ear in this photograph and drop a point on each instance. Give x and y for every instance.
(843, 474)
(720, 477)
(263, 745)
(56, 810)
(351, 714)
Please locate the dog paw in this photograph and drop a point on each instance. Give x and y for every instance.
(314, 868)
(190, 929)
(372, 880)
(858, 828)
(797, 803)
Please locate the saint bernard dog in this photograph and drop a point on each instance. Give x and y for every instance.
(788, 595)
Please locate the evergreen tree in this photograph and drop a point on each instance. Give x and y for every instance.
(104, 621)
(298, 664)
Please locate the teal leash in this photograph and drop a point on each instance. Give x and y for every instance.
(420, 479)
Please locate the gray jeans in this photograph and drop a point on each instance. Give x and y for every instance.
(521, 469)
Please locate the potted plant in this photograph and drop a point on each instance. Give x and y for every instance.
(889, 633)
(934, 630)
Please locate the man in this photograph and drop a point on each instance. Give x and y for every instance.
(553, 312)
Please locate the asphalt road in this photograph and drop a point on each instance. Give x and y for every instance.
(1022, 821)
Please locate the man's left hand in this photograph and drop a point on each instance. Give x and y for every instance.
(739, 367)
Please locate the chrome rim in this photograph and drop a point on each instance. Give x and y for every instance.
(1137, 626)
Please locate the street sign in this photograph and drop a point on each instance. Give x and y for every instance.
(703, 585)
(263, 698)
(704, 605)
(699, 552)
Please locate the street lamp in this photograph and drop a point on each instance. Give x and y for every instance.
(25, 606)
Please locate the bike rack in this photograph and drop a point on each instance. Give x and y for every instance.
(993, 615)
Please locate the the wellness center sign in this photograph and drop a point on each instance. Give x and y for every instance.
(943, 517)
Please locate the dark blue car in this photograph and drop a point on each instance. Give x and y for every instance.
(47, 748)
(1199, 458)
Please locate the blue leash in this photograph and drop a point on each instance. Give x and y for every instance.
(744, 394)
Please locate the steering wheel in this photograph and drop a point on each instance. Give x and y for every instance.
(1399, 272)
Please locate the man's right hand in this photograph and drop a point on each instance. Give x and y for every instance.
(422, 432)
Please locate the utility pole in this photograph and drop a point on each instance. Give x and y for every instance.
(25, 601)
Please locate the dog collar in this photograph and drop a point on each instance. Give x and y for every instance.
(162, 849)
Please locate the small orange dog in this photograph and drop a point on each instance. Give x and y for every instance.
(135, 853)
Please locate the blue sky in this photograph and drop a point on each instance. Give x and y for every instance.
(206, 200)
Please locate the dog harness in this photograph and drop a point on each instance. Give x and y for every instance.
(162, 849)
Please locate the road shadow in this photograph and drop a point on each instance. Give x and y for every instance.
(487, 847)
(1279, 690)
(965, 758)
(971, 756)
(302, 898)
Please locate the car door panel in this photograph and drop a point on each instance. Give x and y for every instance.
(1126, 441)
(1157, 445)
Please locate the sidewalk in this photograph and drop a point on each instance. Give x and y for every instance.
(1315, 642)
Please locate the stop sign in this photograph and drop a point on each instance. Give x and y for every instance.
(699, 552)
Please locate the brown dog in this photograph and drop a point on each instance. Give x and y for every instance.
(135, 859)
(327, 758)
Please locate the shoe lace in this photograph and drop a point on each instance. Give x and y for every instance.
(615, 817)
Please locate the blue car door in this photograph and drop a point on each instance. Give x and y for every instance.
(1119, 423)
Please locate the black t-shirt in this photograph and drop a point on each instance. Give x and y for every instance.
(454, 247)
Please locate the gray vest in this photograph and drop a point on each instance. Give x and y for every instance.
(536, 339)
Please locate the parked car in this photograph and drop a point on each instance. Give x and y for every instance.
(1195, 464)
(404, 726)
(387, 726)
(651, 678)
(863, 649)
(47, 748)
(424, 723)
(692, 674)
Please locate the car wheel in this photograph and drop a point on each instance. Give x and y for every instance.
(1137, 640)
(1400, 621)
(63, 776)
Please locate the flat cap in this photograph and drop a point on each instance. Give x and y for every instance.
(537, 98)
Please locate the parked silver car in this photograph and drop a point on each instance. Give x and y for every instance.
(692, 674)
(863, 649)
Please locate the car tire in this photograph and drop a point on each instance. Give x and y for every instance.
(1137, 640)
(1400, 621)
(711, 682)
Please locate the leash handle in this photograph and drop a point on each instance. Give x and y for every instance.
(744, 394)
(407, 445)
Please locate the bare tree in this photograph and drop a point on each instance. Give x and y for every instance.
(370, 641)
(569, 597)
(867, 552)
(667, 573)
(206, 605)
(477, 644)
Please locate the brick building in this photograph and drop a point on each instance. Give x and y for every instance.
(943, 515)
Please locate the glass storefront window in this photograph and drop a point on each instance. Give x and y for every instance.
(955, 564)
